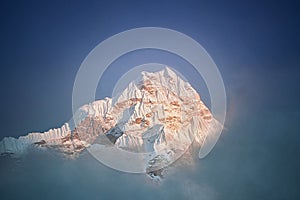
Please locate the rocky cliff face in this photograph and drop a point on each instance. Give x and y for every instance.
(159, 113)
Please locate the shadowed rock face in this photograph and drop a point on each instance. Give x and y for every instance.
(160, 113)
(42, 142)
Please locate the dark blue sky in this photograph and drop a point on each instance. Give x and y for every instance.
(254, 44)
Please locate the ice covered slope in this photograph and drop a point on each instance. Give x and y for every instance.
(19, 146)
(157, 111)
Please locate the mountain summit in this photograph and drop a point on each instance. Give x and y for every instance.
(159, 113)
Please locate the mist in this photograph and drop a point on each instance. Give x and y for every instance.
(253, 159)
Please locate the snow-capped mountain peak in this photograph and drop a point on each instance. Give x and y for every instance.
(159, 113)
